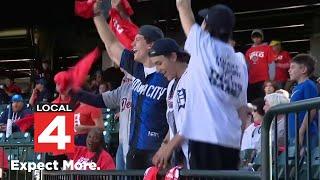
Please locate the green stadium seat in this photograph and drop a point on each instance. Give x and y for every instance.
(19, 137)
(2, 137)
(107, 137)
(106, 110)
(257, 162)
(315, 163)
(30, 156)
(3, 107)
(13, 153)
(247, 156)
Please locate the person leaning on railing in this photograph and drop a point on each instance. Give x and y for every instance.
(270, 101)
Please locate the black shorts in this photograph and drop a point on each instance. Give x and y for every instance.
(139, 159)
(204, 156)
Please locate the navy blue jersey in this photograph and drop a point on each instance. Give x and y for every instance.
(148, 125)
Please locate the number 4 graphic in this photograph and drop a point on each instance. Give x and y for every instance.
(61, 138)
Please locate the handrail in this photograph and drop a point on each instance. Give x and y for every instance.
(299, 106)
(183, 173)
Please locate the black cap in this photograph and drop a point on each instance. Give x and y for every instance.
(151, 32)
(219, 17)
(165, 46)
(40, 81)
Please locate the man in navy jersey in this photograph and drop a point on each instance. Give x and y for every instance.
(148, 125)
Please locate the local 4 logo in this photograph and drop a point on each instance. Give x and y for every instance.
(54, 128)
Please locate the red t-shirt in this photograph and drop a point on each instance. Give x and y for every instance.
(85, 114)
(258, 60)
(282, 61)
(83, 155)
(14, 89)
(3, 159)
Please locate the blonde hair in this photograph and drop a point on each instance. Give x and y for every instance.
(276, 98)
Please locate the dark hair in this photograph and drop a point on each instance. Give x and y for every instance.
(256, 34)
(306, 60)
(148, 40)
(259, 103)
(222, 36)
(274, 84)
(181, 57)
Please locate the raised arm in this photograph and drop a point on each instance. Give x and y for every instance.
(113, 46)
(186, 15)
(33, 98)
(89, 98)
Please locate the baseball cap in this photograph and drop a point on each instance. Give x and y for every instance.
(17, 98)
(219, 17)
(41, 81)
(165, 46)
(274, 43)
(151, 32)
(257, 32)
(98, 72)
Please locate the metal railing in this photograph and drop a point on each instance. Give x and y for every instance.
(138, 175)
(298, 160)
(23, 152)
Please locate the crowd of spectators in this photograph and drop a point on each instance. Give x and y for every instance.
(273, 78)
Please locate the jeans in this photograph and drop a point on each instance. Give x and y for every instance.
(120, 164)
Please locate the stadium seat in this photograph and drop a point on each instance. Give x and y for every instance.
(105, 110)
(2, 137)
(257, 162)
(315, 163)
(13, 153)
(30, 156)
(19, 137)
(246, 157)
(3, 107)
(282, 160)
(107, 137)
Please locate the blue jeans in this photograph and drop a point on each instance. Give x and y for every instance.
(120, 164)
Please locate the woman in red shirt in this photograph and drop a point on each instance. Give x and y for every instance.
(93, 151)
